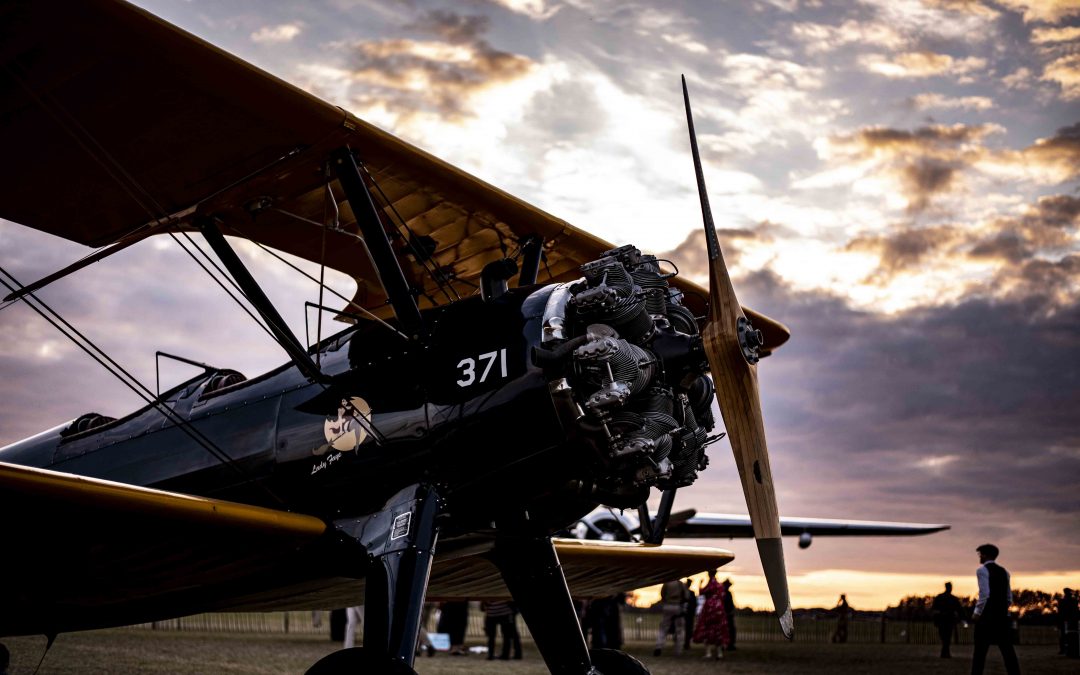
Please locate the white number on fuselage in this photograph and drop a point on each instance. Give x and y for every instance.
(468, 367)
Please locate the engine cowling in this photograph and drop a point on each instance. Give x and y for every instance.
(622, 345)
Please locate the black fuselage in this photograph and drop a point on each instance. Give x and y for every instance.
(465, 410)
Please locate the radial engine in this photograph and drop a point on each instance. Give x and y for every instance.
(625, 357)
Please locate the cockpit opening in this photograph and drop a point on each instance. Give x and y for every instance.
(84, 423)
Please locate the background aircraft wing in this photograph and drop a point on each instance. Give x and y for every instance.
(123, 125)
(706, 525)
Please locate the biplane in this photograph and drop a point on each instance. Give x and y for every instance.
(503, 373)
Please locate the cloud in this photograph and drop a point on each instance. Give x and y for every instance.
(1054, 159)
(1056, 211)
(1053, 35)
(453, 27)
(692, 255)
(540, 10)
(931, 139)
(936, 464)
(1042, 233)
(821, 38)
(760, 101)
(441, 76)
(1052, 283)
(910, 65)
(924, 178)
(953, 20)
(1065, 71)
(922, 164)
(918, 165)
(1050, 11)
(1021, 78)
(941, 101)
(904, 249)
(285, 32)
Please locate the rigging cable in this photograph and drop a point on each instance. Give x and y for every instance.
(436, 272)
(349, 302)
(146, 201)
(218, 281)
(327, 196)
(126, 378)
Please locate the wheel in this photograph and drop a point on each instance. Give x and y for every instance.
(614, 662)
(356, 661)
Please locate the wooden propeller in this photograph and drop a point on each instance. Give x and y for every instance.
(731, 345)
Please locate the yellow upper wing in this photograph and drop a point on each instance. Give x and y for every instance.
(122, 125)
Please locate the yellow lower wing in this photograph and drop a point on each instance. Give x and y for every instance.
(82, 553)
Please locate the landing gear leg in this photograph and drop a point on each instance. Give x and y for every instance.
(532, 572)
(400, 541)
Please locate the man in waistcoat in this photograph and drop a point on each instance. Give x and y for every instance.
(991, 614)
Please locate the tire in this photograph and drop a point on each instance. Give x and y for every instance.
(356, 661)
(614, 662)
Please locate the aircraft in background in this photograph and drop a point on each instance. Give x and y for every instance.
(432, 448)
(606, 524)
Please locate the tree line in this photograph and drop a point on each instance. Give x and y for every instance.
(1034, 607)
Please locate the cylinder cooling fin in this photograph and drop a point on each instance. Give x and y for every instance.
(621, 343)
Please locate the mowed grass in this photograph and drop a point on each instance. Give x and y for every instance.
(129, 651)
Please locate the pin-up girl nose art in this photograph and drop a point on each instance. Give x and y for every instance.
(348, 430)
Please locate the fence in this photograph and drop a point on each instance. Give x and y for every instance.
(638, 626)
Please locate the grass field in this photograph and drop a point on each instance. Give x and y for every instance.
(127, 651)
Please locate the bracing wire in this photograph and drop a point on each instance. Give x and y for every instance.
(220, 283)
(350, 304)
(141, 196)
(437, 274)
(124, 376)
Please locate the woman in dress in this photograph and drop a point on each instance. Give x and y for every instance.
(711, 626)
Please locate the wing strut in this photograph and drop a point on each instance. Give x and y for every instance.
(382, 254)
(258, 299)
(658, 528)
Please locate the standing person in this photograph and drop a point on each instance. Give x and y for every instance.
(497, 617)
(691, 613)
(711, 626)
(843, 611)
(1068, 617)
(515, 636)
(729, 612)
(673, 606)
(947, 612)
(354, 618)
(614, 625)
(991, 614)
(423, 640)
(453, 620)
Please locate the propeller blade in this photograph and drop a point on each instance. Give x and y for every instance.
(731, 345)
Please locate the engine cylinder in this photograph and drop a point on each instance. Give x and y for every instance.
(636, 371)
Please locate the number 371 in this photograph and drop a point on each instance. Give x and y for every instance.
(468, 367)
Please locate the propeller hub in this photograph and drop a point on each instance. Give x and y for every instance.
(751, 340)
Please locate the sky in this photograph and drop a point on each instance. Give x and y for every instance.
(896, 180)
